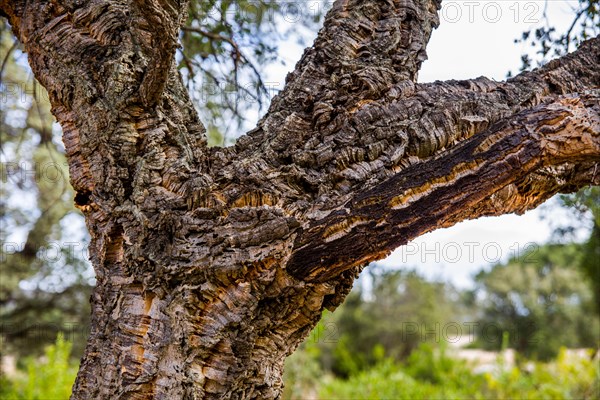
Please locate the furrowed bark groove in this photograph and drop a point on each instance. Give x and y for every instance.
(213, 264)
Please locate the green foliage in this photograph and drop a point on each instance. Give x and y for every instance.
(48, 378)
(541, 299)
(226, 46)
(384, 381)
(566, 377)
(433, 365)
(550, 43)
(389, 320)
(585, 205)
(431, 374)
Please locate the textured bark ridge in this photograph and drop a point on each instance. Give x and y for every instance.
(214, 263)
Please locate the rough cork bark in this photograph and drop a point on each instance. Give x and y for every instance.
(214, 263)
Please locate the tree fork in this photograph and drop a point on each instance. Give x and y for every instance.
(213, 264)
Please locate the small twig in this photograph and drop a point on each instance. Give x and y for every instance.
(568, 34)
(6, 57)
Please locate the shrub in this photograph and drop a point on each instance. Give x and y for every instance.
(48, 378)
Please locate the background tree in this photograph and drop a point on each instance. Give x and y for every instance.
(541, 300)
(586, 207)
(400, 311)
(45, 278)
(548, 42)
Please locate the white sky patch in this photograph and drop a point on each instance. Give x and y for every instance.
(455, 254)
(476, 38)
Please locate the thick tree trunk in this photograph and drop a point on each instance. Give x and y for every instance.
(214, 264)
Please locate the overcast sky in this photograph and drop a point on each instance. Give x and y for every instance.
(475, 38)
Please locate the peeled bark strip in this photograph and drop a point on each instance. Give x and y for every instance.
(213, 264)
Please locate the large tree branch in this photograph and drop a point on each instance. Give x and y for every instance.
(363, 49)
(513, 166)
(318, 168)
(325, 164)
